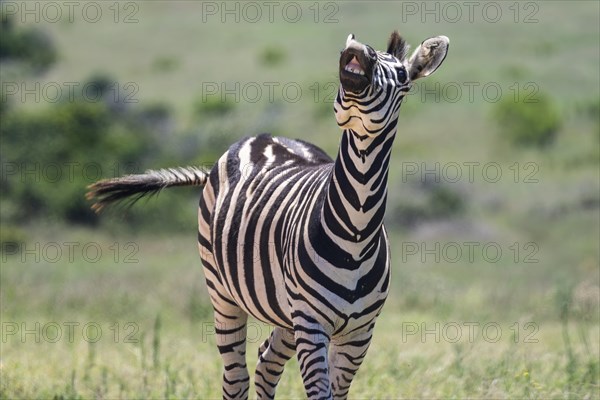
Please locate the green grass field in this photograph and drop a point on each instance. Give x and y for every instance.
(89, 329)
(498, 300)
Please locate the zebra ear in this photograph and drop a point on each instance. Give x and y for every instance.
(397, 46)
(428, 57)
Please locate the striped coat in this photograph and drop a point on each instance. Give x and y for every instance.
(296, 239)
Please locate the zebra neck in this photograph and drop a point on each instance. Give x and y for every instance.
(354, 206)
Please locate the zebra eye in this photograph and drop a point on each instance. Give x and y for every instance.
(401, 71)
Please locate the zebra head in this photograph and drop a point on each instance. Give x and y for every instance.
(373, 83)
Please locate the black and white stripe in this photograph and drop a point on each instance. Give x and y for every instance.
(296, 239)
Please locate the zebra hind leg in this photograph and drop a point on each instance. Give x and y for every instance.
(272, 356)
(230, 329)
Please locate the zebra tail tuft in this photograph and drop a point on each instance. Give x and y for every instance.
(131, 188)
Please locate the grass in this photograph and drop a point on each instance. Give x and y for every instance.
(188, 366)
(449, 330)
(543, 213)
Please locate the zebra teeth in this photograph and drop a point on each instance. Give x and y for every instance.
(354, 67)
(354, 70)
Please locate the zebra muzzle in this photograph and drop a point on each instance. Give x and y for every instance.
(356, 66)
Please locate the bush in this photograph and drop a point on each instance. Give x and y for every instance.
(444, 202)
(4, 104)
(31, 46)
(527, 121)
(213, 106)
(165, 64)
(11, 240)
(425, 201)
(272, 56)
(54, 154)
(590, 110)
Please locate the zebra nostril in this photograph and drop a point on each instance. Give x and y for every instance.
(372, 54)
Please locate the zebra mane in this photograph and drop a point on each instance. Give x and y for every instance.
(397, 46)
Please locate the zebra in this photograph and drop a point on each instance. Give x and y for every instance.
(296, 239)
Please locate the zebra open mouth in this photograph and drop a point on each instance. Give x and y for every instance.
(354, 67)
(355, 70)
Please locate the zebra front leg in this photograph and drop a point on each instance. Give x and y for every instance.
(345, 358)
(311, 347)
(272, 356)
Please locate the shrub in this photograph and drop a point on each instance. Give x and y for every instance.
(11, 240)
(4, 104)
(590, 110)
(155, 117)
(425, 201)
(54, 154)
(31, 46)
(444, 202)
(165, 64)
(272, 56)
(527, 121)
(213, 106)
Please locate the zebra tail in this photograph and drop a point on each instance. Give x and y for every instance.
(131, 188)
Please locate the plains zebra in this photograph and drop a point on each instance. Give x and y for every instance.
(296, 239)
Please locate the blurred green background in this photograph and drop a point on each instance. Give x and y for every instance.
(494, 190)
